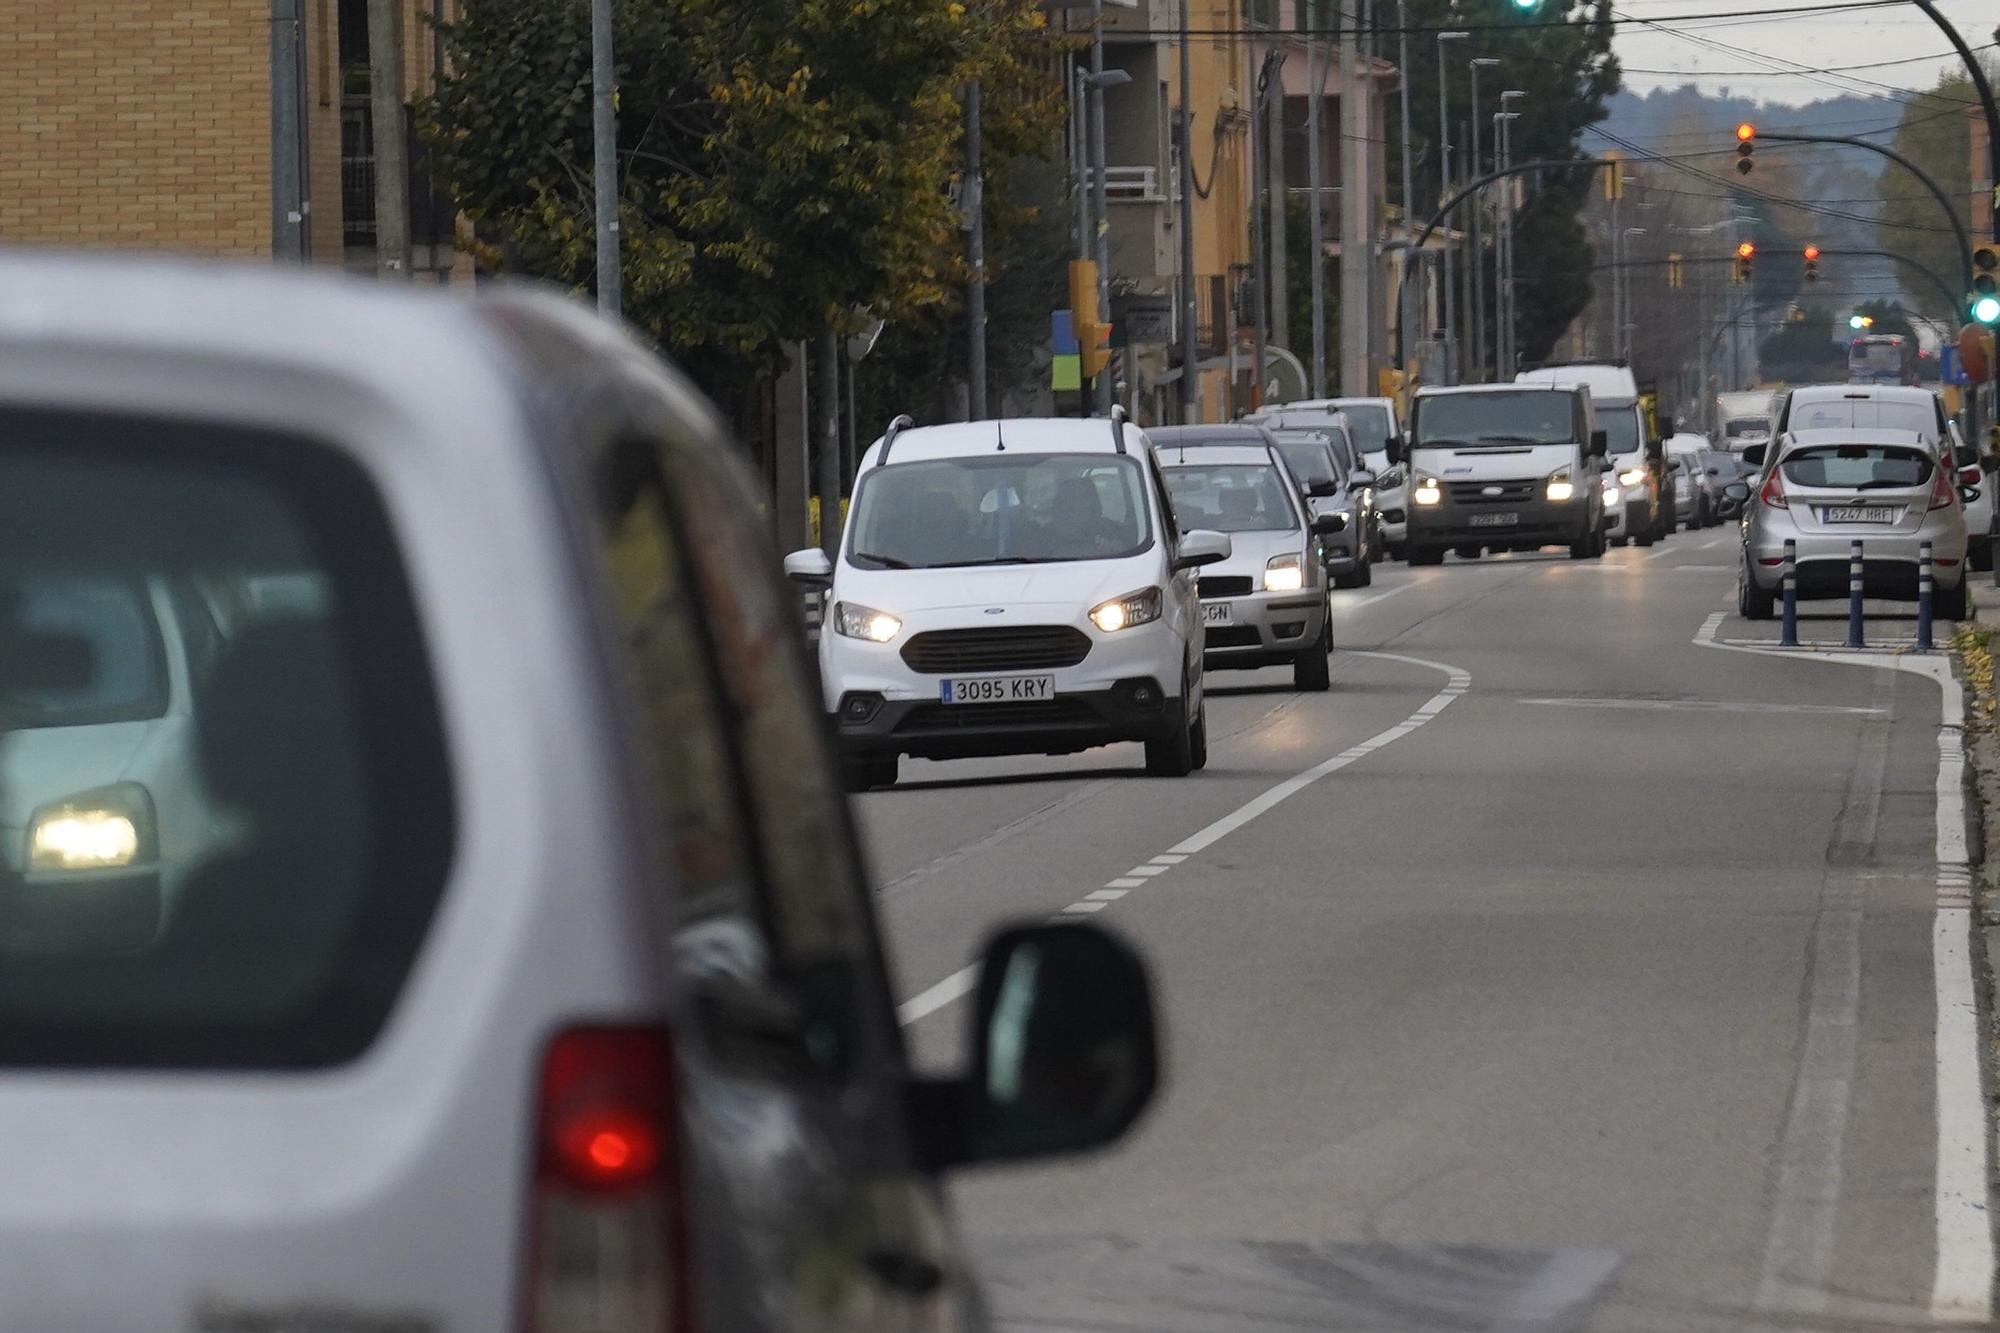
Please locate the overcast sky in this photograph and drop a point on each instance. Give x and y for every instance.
(1702, 53)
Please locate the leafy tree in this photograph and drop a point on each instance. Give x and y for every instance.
(1889, 317)
(1566, 71)
(784, 163)
(1935, 135)
(1803, 350)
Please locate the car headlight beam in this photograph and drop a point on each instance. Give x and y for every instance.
(1284, 573)
(1632, 476)
(107, 829)
(1134, 608)
(865, 622)
(1429, 491)
(1560, 489)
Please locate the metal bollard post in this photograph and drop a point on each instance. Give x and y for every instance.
(1854, 639)
(1790, 637)
(1923, 597)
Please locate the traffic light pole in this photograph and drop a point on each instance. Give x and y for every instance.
(1943, 200)
(1981, 86)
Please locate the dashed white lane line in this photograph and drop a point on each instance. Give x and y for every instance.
(1962, 1285)
(1371, 599)
(1458, 681)
(1712, 543)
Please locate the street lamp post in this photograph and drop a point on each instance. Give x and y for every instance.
(1444, 192)
(1477, 263)
(1504, 290)
(1102, 217)
(1624, 331)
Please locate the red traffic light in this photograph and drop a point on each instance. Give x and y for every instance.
(1812, 253)
(1747, 250)
(1746, 132)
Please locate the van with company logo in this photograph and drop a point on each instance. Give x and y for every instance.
(1505, 467)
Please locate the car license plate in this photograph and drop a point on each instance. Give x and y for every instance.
(1860, 514)
(997, 689)
(1215, 613)
(1494, 520)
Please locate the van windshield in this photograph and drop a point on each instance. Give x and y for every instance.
(1368, 423)
(999, 509)
(1621, 431)
(1511, 417)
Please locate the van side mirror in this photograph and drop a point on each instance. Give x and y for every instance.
(1065, 1056)
(1600, 443)
(810, 567)
(1322, 489)
(1753, 454)
(1326, 525)
(1737, 492)
(1394, 448)
(33, 661)
(1202, 547)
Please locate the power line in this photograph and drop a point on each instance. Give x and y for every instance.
(1790, 74)
(1511, 25)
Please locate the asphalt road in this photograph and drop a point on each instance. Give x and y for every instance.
(1586, 979)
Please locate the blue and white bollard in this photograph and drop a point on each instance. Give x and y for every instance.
(1924, 597)
(1790, 637)
(1854, 639)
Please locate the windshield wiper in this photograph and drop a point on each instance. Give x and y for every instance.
(887, 561)
(1000, 560)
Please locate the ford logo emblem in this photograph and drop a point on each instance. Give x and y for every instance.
(996, 610)
(1492, 490)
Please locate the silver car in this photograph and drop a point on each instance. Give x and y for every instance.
(1266, 604)
(1827, 489)
(531, 978)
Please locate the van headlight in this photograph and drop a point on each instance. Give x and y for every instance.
(1284, 573)
(1633, 476)
(106, 829)
(1429, 492)
(1560, 488)
(865, 622)
(1612, 495)
(1134, 608)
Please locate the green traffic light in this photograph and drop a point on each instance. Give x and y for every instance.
(1987, 310)
(1527, 4)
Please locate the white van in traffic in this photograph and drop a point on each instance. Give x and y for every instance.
(1643, 509)
(1012, 587)
(1497, 467)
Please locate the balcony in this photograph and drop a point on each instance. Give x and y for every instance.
(1137, 185)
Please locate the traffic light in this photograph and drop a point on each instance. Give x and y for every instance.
(1859, 322)
(1093, 336)
(1746, 253)
(1986, 284)
(1674, 278)
(1746, 144)
(1812, 263)
(1614, 176)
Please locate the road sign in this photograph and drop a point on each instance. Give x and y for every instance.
(1950, 369)
(1142, 319)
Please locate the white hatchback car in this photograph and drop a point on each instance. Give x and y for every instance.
(1012, 587)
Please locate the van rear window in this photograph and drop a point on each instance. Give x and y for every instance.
(225, 818)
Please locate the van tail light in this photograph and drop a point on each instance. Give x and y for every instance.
(1773, 493)
(607, 1244)
(1943, 494)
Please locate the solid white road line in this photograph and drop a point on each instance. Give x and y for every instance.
(961, 982)
(1962, 1286)
(1702, 706)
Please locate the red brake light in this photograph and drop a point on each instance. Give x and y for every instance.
(1969, 476)
(607, 1244)
(1943, 495)
(1773, 493)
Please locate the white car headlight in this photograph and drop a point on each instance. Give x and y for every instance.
(1428, 492)
(1134, 608)
(1633, 476)
(863, 622)
(1284, 573)
(106, 829)
(1560, 487)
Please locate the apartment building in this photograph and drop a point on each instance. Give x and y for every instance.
(1239, 103)
(141, 125)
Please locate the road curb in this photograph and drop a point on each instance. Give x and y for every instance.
(1973, 665)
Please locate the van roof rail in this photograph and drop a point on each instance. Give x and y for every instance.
(1119, 417)
(896, 427)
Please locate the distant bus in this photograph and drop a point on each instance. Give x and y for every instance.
(1882, 358)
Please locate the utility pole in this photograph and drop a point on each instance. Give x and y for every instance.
(291, 240)
(1102, 218)
(1278, 207)
(1190, 352)
(829, 441)
(1316, 260)
(975, 296)
(1260, 315)
(1451, 372)
(392, 158)
(1477, 264)
(1356, 232)
(1409, 176)
(604, 146)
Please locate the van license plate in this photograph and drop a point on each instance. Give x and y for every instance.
(997, 689)
(1860, 514)
(1215, 613)
(1494, 520)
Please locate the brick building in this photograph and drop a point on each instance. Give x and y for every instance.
(144, 125)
